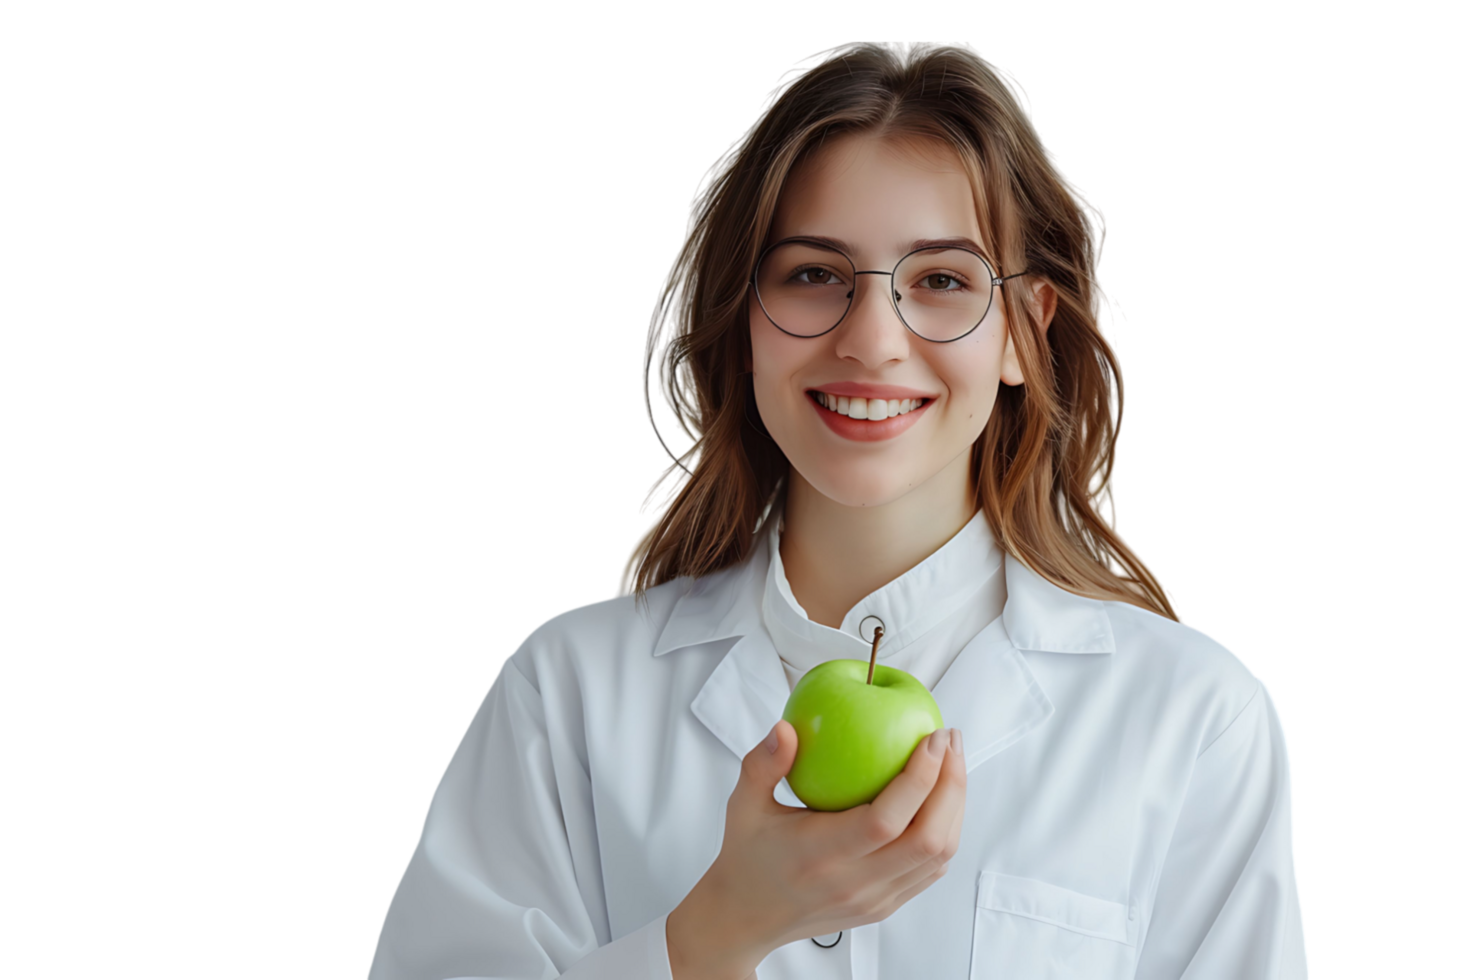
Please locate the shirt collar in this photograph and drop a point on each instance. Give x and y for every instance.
(1038, 615)
(908, 607)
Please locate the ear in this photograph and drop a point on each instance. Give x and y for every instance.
(1042, 302)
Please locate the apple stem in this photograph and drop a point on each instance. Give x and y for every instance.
(873, 660)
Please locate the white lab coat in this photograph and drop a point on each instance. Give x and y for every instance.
(1127, 812)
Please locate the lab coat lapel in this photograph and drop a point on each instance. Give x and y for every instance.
(989, 692)
(744, 695)
(990, 695)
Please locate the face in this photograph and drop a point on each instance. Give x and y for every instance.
(879, 198)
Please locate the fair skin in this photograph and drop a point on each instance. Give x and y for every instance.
(859, 514)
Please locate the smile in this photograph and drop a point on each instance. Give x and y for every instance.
(874, 409)
(867, 419)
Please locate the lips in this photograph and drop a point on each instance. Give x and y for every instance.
(874, 409)
(862, 389)
(839, 417)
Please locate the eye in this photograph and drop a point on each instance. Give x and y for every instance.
(941, 282)
(814, 275)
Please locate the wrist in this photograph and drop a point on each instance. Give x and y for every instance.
(707, 943)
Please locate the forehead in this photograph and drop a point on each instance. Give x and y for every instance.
(878, 195)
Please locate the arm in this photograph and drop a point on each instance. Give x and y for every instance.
(701, 942)
(1226, 906)
(492, 890)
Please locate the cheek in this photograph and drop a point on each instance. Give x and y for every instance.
(981, 360)
(760, 347)
(970, 369)
(776, 357)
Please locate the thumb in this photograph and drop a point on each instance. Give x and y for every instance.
(767, 763)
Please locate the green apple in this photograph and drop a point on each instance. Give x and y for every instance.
(854, 737)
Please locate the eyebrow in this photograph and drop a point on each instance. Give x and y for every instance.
(915, 245)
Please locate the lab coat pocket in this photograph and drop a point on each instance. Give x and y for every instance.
(1029, 928)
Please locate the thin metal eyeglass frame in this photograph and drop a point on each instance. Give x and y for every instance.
(995, 280)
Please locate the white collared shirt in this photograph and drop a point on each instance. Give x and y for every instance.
(1127, 809)
(928, 613)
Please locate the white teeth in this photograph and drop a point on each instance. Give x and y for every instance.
(871, 409)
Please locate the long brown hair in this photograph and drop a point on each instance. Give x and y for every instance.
(1045, 457)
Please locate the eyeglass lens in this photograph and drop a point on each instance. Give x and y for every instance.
(940, 293)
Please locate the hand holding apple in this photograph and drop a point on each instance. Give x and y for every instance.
(856, 725)
(786, 873)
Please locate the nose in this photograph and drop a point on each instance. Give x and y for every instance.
(870, 272)
(871, 333)
(879, 290)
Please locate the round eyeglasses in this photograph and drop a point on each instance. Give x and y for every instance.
(941, 293)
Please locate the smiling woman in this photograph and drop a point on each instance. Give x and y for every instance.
(893, 216)
(886, 344)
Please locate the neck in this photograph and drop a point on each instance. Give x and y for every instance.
(834, 554)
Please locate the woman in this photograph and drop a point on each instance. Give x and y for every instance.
(887, 346)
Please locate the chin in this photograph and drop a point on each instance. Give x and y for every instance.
(853, 486)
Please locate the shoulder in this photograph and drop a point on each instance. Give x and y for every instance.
(602, 634)
(1192, 677)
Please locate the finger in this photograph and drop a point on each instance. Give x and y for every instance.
(762, 769)
(945, 804)
(914, 876)
(956, 760)
(882, 821)
(906, 894)
(934, 831)
(956, 829)
(922, 874)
